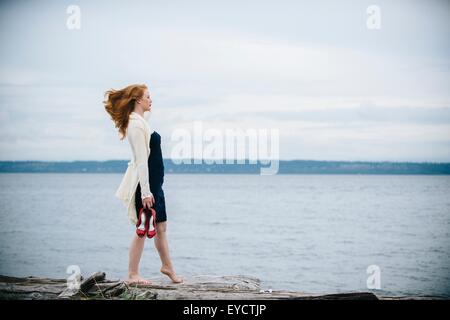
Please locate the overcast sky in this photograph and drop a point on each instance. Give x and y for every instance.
(334, 89)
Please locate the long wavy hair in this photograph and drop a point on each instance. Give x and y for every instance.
(120, 103)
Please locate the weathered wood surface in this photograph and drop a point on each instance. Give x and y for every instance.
(97, 286)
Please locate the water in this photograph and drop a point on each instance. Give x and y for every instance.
(309, 233)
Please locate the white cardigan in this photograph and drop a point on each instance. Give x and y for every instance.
(138, 134)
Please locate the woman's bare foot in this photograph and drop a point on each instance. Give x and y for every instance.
(137, 279)
(171, 274)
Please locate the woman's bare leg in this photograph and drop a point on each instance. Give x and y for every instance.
(136, 248)
(163, 249)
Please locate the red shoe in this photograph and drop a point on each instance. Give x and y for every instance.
(142, 224)
(151, 229)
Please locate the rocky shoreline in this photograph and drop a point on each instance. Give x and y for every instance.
(97, 286)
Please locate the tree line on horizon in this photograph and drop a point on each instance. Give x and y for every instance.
(285, 167)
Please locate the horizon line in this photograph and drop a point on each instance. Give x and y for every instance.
(235, 160)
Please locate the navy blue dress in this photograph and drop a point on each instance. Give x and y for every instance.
(156, 179)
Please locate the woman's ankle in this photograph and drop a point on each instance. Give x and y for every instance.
(133, 274)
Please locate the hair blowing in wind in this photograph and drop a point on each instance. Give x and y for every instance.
(120, 103)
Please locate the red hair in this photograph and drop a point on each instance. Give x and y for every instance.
(120, 103)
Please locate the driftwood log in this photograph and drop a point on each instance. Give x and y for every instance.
(97, 286)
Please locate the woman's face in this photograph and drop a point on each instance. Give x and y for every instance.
(145, 102)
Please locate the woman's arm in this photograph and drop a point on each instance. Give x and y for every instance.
(136, 137)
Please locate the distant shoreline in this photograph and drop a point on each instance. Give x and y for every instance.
(285, 167)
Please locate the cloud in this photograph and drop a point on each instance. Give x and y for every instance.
(333, 88)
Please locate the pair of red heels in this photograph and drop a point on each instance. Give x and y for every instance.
(146, 224)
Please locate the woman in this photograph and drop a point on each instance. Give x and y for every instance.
(141, 186)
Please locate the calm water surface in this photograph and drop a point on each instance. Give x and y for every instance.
(310, 233)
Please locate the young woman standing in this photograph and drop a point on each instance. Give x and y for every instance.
(141, 186)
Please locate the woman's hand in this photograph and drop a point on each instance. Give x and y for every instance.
(148, 202)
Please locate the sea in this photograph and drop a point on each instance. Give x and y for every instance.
(320, 234)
